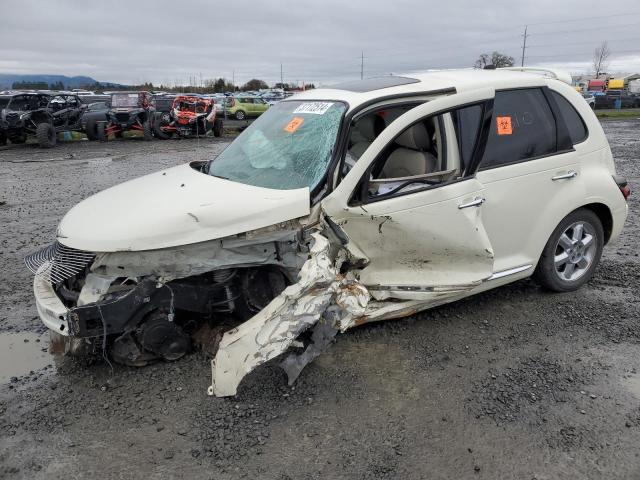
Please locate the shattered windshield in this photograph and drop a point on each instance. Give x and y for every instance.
(288, 147)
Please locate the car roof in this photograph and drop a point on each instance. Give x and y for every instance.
(433, 81)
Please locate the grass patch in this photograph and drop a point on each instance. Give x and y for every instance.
(625, 113)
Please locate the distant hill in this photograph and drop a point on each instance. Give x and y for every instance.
(8, 79)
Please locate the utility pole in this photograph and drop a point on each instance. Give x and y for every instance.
(362, 65)
(281, 77)
(233, 79)
(524, 45)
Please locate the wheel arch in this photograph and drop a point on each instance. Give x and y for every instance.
(606, 218)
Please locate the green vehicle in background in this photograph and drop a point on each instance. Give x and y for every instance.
(245, 107)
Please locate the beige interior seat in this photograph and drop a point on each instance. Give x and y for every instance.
(364, 134)
(412, 156)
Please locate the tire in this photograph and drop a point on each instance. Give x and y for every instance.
(101, 133)
(569, 259)
(46, 135)
(157, 128)
(90, 130)
(3, 139)
(218, 127)
(240, 115)
(146, 130)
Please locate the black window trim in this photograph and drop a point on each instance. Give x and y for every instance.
(537, 157)
(360, 195)
(551, 91)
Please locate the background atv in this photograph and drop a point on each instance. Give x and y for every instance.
(189, 116)
(41, 115)
(129, 111)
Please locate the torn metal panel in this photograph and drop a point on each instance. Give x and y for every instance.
(270, 332)
(323, 335)
(322, 297)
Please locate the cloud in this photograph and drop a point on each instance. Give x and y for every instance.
(320, 42)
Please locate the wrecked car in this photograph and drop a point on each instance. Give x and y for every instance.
(369, 201)
(189, 116)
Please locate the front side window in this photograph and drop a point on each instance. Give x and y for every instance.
(289, 146)
(523, 127)
(424, 155)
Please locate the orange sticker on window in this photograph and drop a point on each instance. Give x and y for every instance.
(294, 124)
(503, 125)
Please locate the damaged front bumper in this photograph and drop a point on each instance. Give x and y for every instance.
(51, 310)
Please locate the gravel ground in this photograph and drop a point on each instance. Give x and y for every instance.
(513, 383)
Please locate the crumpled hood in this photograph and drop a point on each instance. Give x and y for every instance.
(177, 206)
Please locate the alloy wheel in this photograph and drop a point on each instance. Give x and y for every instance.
(575, 251)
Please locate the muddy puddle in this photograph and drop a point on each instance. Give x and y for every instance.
(22, 353)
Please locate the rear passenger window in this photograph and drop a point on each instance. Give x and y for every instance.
(572, 119)
(522, 128)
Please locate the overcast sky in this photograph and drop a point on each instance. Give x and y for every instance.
(320, 41)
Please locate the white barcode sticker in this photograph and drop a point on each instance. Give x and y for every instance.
(317, 108)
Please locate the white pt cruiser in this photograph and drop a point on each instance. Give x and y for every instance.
(368, 201)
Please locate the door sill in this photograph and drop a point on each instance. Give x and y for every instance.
(510, 271)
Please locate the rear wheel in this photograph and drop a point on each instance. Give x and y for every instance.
(90, 130)
(3, 139)
(218, 126)
(572, 253)
(46, 135)
(240, 115)
(146, 130)
(159, 122)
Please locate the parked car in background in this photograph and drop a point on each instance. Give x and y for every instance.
(189, 115)
(609, 98)
(590, 99)
(368, 201)
(240, 107)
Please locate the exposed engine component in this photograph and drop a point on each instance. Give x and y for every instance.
(155, 339)
(162, 337)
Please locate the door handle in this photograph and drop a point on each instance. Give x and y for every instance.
(569, 174)
(476, 202)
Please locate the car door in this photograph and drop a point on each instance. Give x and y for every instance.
(425, 240)
(531, 177)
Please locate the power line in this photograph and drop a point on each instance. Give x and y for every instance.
(599, 17)
(545, 45)
(601, 27)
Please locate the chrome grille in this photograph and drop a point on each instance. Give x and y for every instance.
(61, 262)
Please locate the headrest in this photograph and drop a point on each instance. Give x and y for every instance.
(416, 138)
(369, 127)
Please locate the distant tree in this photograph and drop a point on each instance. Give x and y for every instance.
(601, 57)
(56, 86)
(496, 59)
(254, 84)
(30, 85)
